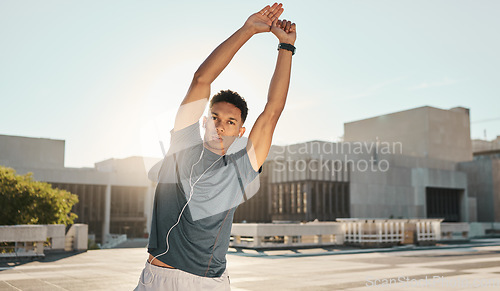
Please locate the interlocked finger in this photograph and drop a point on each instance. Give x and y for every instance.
(283, 24)
(287, 26)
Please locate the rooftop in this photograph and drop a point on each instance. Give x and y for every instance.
(311, 269)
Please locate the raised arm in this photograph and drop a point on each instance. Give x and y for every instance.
(262, 132)
(194, 103)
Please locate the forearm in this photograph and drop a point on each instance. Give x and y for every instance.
(278, 89)
(262, 132)
(194, 103)
(218, 60)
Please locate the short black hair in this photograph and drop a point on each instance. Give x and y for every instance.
(232, 98)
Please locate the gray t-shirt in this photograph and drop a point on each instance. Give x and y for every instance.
(198, 243)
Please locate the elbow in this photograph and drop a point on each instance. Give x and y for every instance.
(200, 78)
(273, 114)
(276, 115)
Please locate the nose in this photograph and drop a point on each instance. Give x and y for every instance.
(219, 127)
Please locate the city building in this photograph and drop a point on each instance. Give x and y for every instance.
(115, 196)
(483, 182)
(417, 163)
(483, 146)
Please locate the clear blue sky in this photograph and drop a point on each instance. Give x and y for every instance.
(96, 73)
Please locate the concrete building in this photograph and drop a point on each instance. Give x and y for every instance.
(416, 163)
(483, 182)
(479, 145)
(483, 175)
(114, 197)
(423, 146)
(426, 132)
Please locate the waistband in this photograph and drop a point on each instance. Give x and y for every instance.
(176, 273)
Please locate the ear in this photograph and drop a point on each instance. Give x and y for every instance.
(205, 122)
(242, 131)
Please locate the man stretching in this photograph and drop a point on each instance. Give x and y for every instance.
(201, 181)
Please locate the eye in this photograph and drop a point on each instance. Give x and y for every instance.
(232, 123)
(214, 117)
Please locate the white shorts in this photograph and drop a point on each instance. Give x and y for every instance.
(159, 278)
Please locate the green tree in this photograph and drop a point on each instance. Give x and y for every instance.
(26, 201)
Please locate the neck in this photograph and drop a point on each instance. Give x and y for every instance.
(219, 152)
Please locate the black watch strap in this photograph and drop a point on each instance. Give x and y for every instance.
(287, 46)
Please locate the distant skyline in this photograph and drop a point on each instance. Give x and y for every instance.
(107, 76)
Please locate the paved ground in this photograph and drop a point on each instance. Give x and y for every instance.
(465, 267)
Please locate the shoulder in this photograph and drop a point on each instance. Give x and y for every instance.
(242, 158)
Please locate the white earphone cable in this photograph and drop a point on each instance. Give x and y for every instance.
(179, 218)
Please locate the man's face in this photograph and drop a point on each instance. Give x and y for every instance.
(222, 127)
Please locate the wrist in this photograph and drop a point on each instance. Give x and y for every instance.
(286, 47)
(289, 41)
(249, 29)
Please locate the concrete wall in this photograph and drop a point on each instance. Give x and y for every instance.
(479, 145)
(79, 234)
(18, 151)
(40, 233)
(410, 127)
(481, 187)
(382, 185)
(449, 134)
(496, 189)
(425, 177)
(384, 194)
(483, 176)
(88, 176)
(401, 191)
(23, 233)
(424, 132)
(57, 235)
(478, 229)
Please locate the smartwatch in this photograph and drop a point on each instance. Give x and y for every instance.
(287, 46)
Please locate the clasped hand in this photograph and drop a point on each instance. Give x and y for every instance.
(267, 20)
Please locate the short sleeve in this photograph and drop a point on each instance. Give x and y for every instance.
(185, 138)
(247, 173)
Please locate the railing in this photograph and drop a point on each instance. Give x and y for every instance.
(384, 232)
(428, 229)
(22, 240)
(373, 231)
(455, 231)
(276, 235)
(354, 231)
(33, 240)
